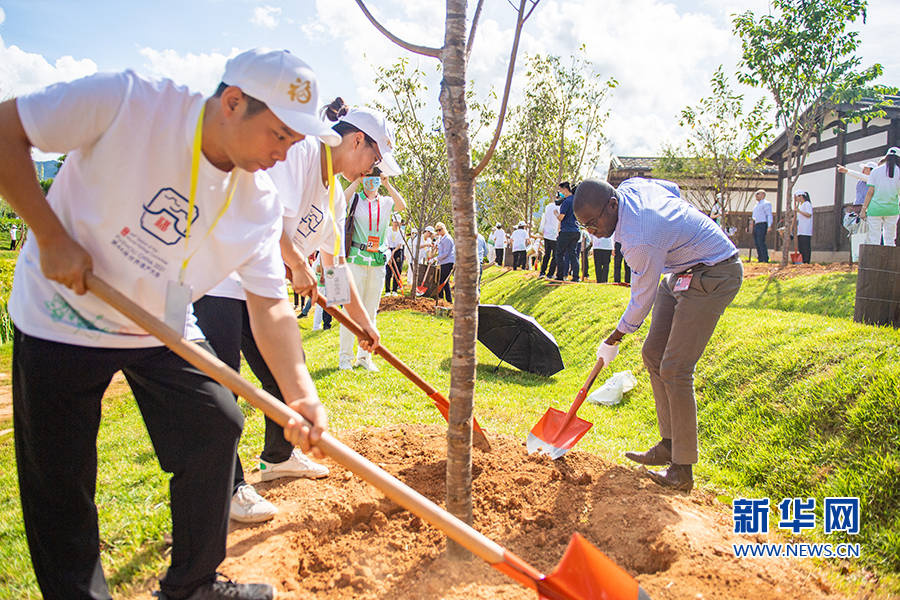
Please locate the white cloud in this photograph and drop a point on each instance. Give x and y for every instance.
(2, 15)
(23, 72)
(200, 72)
(266, 16)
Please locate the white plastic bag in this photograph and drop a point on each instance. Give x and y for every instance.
(611, 391)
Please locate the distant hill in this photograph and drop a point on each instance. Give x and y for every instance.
(46, 169)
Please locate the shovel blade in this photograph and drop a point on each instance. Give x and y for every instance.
(553, 437)
(584, 572)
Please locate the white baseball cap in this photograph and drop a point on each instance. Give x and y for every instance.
(521, 224)
(869, 165)
(376, 126)
(286, 84)
(429, 229)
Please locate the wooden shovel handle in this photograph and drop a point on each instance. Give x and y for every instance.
(279, 412)
(478, 436)
(583, 392)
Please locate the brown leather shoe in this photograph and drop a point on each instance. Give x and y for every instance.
(660, 454)
(676, 477)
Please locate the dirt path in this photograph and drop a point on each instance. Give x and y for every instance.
(339, 539)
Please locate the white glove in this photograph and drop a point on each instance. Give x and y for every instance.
(607, 352)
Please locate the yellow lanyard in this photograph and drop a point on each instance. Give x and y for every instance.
(337, 235)
(195, 169)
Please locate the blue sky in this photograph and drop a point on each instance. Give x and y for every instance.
(662, 52)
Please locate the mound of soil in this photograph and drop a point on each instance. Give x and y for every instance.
(419, 304)
(776, 271)
(339, 538)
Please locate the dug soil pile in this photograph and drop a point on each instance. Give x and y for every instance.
(338, 538)
(775, 271)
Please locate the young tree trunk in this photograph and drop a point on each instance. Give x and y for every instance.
(465, 296)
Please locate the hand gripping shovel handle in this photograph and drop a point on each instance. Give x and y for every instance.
(396, 490)
(442, 404)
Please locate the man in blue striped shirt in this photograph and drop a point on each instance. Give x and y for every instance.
(662, 235)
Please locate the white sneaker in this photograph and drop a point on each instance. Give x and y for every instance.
(344, 364)
(298, 465)
(366, 363)
(247, 506)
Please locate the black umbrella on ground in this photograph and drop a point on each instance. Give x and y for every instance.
(518, 339)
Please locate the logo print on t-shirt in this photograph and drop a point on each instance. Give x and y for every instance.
(165, 217)
(299, 91)
(310, 223)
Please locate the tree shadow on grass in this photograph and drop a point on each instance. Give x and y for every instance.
(505, 374)
(831, 297)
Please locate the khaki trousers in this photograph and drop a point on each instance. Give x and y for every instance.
(681, 327)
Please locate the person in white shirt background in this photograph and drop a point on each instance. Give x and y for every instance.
(183, 156)
(762, 221)
(394, 255)
(549, 230)
(519, 238)
(804, 210)
(312, 219)
(498, 237)
(603, 249)
(366, 260)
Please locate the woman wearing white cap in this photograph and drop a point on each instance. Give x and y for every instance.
(370, 215)
(881, 209)
(313, 206)
(519, 239)
(804, 209)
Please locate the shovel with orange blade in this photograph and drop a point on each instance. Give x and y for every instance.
(557, 431)
(584, 573)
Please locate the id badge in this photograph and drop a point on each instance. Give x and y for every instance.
(683, 282)
(373, 243)
(337, 285)
(178, 298)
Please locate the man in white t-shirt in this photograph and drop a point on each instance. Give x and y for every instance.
(519, 238)
(184, 160)
(498, 237)
(550, 231)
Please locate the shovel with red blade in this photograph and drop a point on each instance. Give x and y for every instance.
(584, 573)
(557, 431)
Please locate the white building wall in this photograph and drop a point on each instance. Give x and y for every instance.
(823, 154)
(870, 141)
(820, 186)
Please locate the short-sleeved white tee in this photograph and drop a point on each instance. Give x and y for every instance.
(519, 238)
(805, 224)
(550, 222)
(498, 236)
(122, 194)
(304, 199)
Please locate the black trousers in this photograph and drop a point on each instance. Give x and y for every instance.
(601, 264)
(226, 324)
(549, 258)
(759, 239)
(193, 423)
(585, 260)
(498, 256)
(445, 277)
(567, 258)
(804, 245)
(518, 259)
(618, 261)
(392, 281)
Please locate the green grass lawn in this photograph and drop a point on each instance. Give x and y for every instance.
(794, 399)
